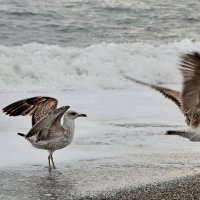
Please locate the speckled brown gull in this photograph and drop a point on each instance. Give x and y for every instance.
(47, 131)
(189, 99)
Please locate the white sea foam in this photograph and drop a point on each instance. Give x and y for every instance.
(39, 67)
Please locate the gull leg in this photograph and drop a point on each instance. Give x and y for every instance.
(49, 160)
(52, 161)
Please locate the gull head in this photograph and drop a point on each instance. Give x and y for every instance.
(73, 114)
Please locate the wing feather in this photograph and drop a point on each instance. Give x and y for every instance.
(37, 107)
(173, 95)
(47, 121)
(190, 68)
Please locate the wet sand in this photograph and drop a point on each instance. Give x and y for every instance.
(101, 179)
(180, 189)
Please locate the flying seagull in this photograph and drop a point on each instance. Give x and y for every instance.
(47, 131)
(188, 100)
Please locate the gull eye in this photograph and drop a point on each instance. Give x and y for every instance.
(72, 113)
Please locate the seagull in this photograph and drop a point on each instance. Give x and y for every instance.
(188, 100)
(47, 131)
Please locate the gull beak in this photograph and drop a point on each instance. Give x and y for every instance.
(82, 115)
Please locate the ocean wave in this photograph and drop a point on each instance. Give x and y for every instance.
(36, 67)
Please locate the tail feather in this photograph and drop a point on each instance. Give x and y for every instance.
(21, 134)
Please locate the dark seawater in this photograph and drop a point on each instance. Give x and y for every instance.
(86, 22)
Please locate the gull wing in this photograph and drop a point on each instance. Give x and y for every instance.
(37, 107)
(190, 68)
(173, 95)
(187, 134)
(48, 121)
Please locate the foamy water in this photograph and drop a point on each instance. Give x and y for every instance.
(90, 45)
(35, 67)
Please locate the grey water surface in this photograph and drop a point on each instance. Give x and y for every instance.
(83, 23)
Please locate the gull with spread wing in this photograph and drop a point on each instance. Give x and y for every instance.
(188, 100)
(47, 131)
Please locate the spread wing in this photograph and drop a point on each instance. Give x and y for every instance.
(47, 122)
(37, 107)
(173, 95)
(190, 68)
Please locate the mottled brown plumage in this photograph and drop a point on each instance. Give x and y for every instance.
(47, 131)
(37, 107)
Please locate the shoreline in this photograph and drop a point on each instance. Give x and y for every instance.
(77, 183)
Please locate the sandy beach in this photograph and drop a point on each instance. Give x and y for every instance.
(180, 189)
(91, 182)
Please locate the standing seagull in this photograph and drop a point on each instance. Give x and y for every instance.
(189, 99)
(47, 131)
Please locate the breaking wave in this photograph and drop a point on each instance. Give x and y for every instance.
(35, 67)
